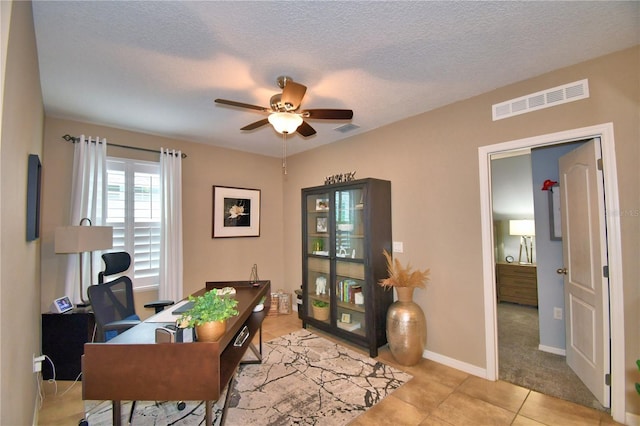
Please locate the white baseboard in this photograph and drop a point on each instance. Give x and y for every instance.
(454, 363)
(632, 419)
(552, 350)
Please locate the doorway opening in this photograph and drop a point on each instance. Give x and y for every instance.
(605, 133)
(530, 292)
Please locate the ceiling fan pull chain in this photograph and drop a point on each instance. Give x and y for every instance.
(284, 153)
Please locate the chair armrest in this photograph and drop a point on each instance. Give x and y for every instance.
(121, 325)
(159, 305)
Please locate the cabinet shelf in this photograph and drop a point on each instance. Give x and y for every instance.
(343, 305)
(358, 225)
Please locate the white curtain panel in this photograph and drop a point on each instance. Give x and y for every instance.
(88, 195)
(171, 221)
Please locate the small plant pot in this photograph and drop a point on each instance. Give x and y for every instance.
(210, 331)
(320, 313)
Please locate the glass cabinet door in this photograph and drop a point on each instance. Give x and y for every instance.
(318, 297)
(318, 249)
(350, 292)
(349, 219)
(318, 224)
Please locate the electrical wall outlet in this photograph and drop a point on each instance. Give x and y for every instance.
(398, 247)
(557, 313)
(37, 363)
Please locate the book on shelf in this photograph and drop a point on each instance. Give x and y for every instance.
(347, 290)
(349, 326)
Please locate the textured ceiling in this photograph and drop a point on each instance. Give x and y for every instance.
(155, 67)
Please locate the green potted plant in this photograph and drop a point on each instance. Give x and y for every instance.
(209, 315)
(320, 309)
(638, 384)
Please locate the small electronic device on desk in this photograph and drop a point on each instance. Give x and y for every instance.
(61, 305)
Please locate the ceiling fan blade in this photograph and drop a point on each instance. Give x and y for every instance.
(255, 125)
(305, 130)
(292, 95)
(241, 105)
(328, 114)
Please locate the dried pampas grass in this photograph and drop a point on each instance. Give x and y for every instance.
(400, 276)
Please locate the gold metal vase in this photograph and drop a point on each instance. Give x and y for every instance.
(406, 328)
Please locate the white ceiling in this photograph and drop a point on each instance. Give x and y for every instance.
(155, 67)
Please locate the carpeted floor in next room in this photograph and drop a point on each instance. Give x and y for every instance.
(521, 363)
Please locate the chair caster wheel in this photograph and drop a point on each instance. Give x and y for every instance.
(83, 422)
(181, 406)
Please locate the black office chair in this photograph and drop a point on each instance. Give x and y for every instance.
(112, 302)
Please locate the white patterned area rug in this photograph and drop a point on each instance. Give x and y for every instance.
(304, 379)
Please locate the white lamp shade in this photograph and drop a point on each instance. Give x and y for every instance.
(522, 227)
(285, 122)
(78, 239)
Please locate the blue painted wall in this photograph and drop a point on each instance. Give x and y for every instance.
(544, 165)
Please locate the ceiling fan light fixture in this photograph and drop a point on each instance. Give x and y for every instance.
(285, 122)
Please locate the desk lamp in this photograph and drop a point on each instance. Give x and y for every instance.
(81, 239)
(526, 230)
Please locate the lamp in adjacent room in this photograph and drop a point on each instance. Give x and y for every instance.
(526, 230)
(81, 239)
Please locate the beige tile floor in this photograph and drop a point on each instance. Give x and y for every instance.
(437, 395)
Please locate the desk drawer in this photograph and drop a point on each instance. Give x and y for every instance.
(515, 294)
(517, 271)
(517, 284)
(518, 281)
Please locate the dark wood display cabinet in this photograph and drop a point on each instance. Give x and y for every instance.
(345, 228)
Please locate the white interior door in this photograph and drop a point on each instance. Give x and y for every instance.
(584, 250)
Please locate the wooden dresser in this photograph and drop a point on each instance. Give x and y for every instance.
(517, 283)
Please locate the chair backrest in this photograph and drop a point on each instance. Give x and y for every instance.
(114, 263)
(112, 301)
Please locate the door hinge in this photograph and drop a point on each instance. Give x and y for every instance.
(605, 271)
(599, 163)
(607, 379)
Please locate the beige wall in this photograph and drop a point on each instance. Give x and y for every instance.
(432, 162)
(22, 122)
(205, 258)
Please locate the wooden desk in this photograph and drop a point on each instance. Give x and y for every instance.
(132, 367)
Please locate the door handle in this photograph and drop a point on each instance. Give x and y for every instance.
(561, 271)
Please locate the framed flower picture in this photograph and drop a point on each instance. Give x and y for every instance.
(236, 212)
(321, 224)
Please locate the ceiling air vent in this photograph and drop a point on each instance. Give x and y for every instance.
(544, 99)
(346, 128)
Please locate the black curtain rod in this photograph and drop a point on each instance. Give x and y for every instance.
(74, 139)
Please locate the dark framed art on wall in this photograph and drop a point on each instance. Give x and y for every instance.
(34, 182)
(236, 212)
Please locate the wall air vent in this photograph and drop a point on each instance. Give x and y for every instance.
(544, 99)
(346, 128)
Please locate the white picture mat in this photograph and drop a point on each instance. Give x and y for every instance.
(556, 223)
(219, 228)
